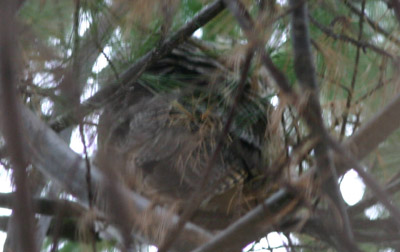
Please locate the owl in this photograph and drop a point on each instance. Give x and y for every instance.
(160, 137)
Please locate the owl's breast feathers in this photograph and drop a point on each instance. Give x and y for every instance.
(160, 146)
(170, 150)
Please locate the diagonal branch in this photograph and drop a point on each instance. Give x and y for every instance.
(372, 133)
(255, 224)
(129, 77)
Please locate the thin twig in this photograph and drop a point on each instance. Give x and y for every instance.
(379, 85)
(374, 25)
(109, 61)
(381, 81)
(345, 38)
(354, 77)
(77, 72)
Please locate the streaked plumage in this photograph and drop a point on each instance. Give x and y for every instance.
(160, 144)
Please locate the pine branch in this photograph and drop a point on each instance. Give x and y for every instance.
(129, 77)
